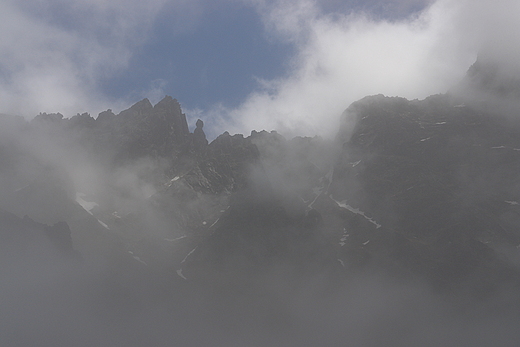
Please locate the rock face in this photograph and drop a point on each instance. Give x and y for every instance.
(199, 138)
(141, 130)
(440, 178)
(256, 235)
(421, 192)
(144, 129)
(433, 159)
(24, 240)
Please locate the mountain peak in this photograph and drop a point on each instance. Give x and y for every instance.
(138, 109)
(168, 102)
(144, 104)
(486, 76)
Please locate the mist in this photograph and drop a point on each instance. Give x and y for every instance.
(144, 229)
(392, 223)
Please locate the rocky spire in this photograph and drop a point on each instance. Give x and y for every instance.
(140, 108)
(199, 137)
(170, 110)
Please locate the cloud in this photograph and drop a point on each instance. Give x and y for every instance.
(494, 28)
(58, 52)
(343, 57)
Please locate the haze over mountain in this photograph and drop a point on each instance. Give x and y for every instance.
(327, 173)
(133, 229)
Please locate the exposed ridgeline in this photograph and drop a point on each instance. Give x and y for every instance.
(122, 181)
(141, 130)
(443, 162)
(95, 173)
(441, 176)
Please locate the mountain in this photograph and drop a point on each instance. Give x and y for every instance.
(404, 224)
(441, 178)
(23, 237)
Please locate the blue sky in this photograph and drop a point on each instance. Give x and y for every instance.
(215, 61)
(218, 59)
(291, 65)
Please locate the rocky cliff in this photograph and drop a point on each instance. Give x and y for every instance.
(424, 193)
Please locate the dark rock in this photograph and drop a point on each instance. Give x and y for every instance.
(433, 173)
(256, 235)
(34, 242)
(199, 137)
(48, 117)
(83, 120)
(140, 109)
(60, 236)
(169, 111)
(106, 116)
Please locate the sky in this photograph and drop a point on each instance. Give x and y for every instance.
(241, 65)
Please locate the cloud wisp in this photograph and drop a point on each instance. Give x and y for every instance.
(57, 53)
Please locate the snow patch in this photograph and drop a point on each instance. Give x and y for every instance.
(103, 224)
(215, 222)
(426, 139)
(87, 205)
(179, 272)
(343, 240)
(341, 262)
(313, 201)
(137, 258)
(440, 123)
(169, 184)
(343, 204)
(186, 257)
(511, 202)
(355, 164)
(366, 243)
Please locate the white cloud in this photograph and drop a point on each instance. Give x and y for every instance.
(343, 57)
(55, 53)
